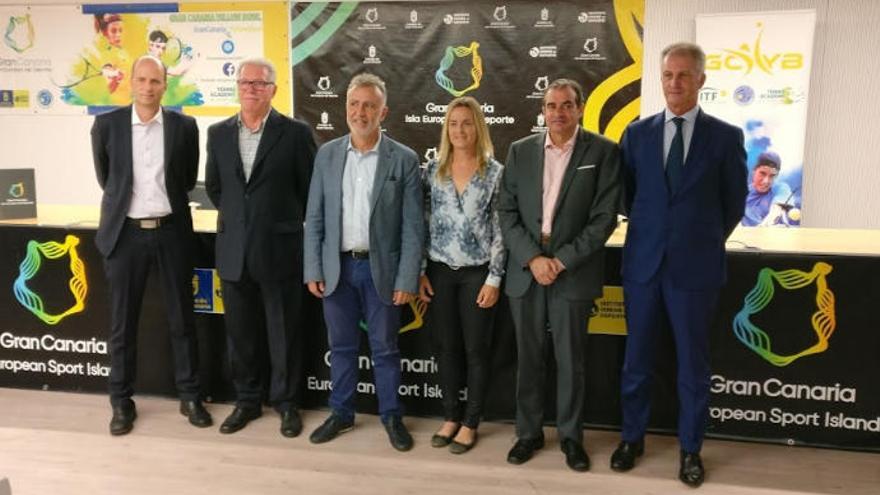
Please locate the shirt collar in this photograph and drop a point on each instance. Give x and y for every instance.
(375, 147)
(548, 143)
(262, 122)
(135, 120)
(690, 116)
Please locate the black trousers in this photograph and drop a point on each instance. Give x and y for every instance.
(281, 302)
(127, 269)
(461, 335)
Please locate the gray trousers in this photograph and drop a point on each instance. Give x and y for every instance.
(540, 307)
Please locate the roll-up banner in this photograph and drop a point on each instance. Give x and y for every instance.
(758, 77)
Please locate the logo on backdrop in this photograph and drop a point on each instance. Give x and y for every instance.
(824, 321)
(449, 56)
(16, 190)
(19, 35)
(31, 265)
(750, 57)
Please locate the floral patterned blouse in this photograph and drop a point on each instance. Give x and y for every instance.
(463, 229)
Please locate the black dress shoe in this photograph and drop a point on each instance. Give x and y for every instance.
(575, 456)
(624, 457)
(524, 449)
(291, 424)
(398, 436)
(330, 429)
(123, 418)
(691, 472)
(196, 413)
(239, 418)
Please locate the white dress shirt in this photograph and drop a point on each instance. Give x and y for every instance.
(687, 128)
(149, 197)
(357, 189)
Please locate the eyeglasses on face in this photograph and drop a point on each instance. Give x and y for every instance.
(258, 85)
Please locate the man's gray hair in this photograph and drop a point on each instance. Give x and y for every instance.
(563, 83)
(367, 79)
(691, 50)
(271, 74)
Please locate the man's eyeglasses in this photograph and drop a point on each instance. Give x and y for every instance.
(258, 85)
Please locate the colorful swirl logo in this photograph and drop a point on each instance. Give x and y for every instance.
(453, 52)
(19, 34)
(759, 297)
(31, 265)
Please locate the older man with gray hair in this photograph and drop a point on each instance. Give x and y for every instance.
(257, 175)
(363, 254)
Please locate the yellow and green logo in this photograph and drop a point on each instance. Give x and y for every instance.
(823, 319)
(19, 34)
(449, 56)
(31, 265)
(16, 190)
(748, 57)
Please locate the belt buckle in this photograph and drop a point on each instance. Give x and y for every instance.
(149, 223)
(454, 267)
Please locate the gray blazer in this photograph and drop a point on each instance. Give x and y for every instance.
(586, 213)
(396, 221)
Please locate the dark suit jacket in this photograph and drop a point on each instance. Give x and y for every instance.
(112, 153)
(687, 230)
(260, 221)
(586, 213)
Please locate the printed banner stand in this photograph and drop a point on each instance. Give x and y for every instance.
(19, 193)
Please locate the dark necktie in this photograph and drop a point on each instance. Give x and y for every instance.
(675, 159)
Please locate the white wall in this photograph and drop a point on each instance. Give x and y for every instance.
(843, 165)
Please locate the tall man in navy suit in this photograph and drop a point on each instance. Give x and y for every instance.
(685, 189)
(363, 253)
(146, 159)
(257, 175)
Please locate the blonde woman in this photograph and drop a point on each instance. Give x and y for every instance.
(463, 268)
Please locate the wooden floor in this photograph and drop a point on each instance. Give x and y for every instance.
(57, 443)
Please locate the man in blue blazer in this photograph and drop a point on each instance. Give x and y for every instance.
(257, 175)
(146, 160)
(363, 251)
(685, 188)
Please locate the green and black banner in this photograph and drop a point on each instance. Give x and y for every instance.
(503, 54)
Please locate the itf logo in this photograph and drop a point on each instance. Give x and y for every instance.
(31, 265)
(453, 52)
(19, 33)
(757, 299)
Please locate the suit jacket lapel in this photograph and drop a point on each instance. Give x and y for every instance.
(232, 147)
(271, 134)
(169, 131)
(535, 173)
(126, 150)
(582, 142)
(383, 170)
(656, 143)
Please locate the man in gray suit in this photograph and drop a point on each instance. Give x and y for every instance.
(558, 205)
(363, 250)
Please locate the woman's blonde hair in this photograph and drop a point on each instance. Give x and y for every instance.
(484, 150)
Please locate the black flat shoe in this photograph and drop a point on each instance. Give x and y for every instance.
(123, 418)
(691, 472)
(195, 411)
(575, 456)
(291, 423)
(332, 427)
(624, 457)
(524, 449)
(397, 434)
(239, 418)
(460, 448)
(440, 441)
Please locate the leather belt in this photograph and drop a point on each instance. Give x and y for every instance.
(149, 223)
(358, 255)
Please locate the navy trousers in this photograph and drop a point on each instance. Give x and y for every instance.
(353, 300)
